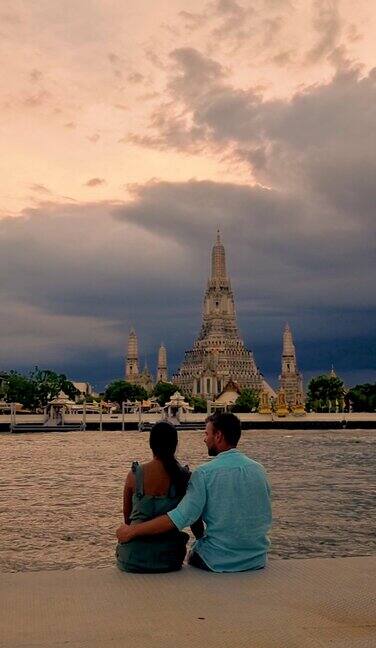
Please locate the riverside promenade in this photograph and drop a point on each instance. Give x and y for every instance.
(308, 603)
(108, 422)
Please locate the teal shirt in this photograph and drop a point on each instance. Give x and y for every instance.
(232, 495)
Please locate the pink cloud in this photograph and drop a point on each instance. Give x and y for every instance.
(95, 182)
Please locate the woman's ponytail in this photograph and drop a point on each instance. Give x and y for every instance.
(163, 442)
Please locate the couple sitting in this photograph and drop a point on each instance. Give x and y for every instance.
(226, 502)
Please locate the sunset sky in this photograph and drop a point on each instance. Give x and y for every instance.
(131, 129)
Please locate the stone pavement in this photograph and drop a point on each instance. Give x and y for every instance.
(310, 603)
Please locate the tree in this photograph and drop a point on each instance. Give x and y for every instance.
(362, 398)
(199, 404)
(163, 392)
(120, 391)
(36, 390)
(323, 392)
(19, 389)
(49, 384)
(3, 384)
(247, 401)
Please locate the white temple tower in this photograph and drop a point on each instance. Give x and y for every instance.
(162, 373)
(291, 380)
(218, 354)
(131, 365)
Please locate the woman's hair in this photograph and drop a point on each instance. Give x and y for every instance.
(163, 442)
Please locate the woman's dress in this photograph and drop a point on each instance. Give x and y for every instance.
(157, 553)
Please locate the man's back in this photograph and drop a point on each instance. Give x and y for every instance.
(234, 496)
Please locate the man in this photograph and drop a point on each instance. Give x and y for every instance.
(231, 494)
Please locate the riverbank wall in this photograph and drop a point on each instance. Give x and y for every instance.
(128, 422)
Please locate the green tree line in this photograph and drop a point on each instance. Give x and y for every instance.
(35, 390)
(324, 393)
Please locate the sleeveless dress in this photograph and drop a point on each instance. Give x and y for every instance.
(164, 552)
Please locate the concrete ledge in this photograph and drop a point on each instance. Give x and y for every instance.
(292, 604)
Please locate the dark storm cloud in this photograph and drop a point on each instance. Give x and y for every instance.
(80, 275)
(280, 239)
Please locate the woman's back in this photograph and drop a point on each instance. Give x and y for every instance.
(156, 479)
(153, 492)
(150, 492)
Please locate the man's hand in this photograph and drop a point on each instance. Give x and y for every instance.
(125, 533)
(161, 524)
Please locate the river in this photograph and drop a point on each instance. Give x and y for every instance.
(61, 494)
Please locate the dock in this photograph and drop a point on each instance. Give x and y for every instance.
(308, 603)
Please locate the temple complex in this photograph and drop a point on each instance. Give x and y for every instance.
(290, 379)
(218, 355)
(219, 365)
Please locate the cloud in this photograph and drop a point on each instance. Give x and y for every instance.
(95, 182)
(285, 57)
(315, 145)
(36, 75)
(39, 188)
(78, 276)
(194, 72)
(135, 77)
(48, 337)
(193, 21)
(353, 33)
(327, 24)
(94, 138)
(37, 99)
(114, 58)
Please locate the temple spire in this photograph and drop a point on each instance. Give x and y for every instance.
(218, 354)
(162, 374)
(288, 344)
(218, 259)
(291, 380)
(131, 366)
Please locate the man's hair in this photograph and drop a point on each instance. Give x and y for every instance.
(228, 424)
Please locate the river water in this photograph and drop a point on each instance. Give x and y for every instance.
(61, 494)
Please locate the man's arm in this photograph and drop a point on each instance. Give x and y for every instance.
(161, 524)
(186, 513)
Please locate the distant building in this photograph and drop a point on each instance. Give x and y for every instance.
(132, 372)
(131, 364)
(84, 389)
(146, 379)
(218, 355)
(162, 372)
(291, 380)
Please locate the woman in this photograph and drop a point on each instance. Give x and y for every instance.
(152, 489)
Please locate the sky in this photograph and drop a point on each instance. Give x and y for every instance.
(130, 131)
